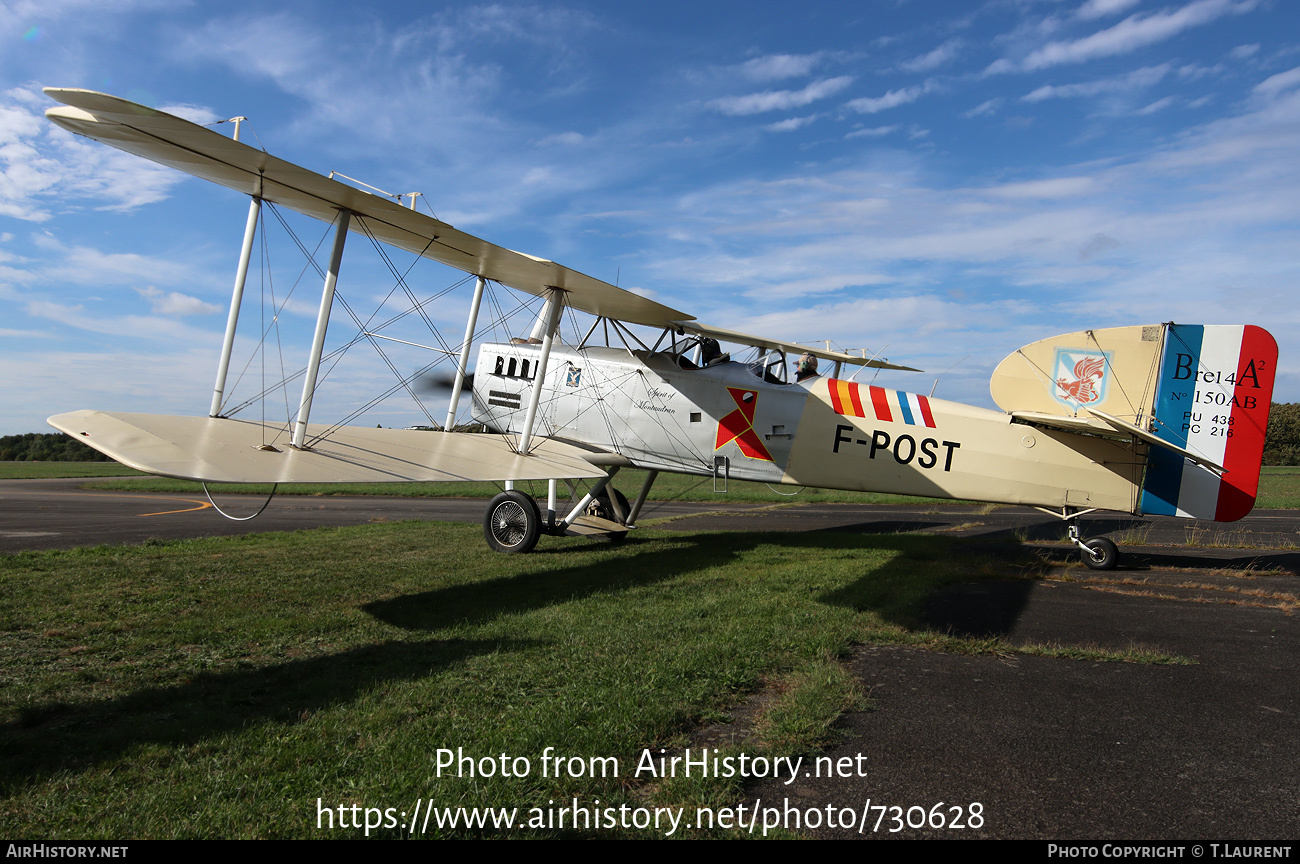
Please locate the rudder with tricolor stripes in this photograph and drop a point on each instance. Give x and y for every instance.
(1213, 398)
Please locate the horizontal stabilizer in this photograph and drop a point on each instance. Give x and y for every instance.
(1137, 432)
(1069, 424)
(220, 450)
(1104, 424)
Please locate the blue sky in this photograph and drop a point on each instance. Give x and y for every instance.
(943, 181)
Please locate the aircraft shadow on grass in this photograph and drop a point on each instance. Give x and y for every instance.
(60, 736)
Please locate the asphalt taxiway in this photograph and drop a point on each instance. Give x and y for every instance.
(67, 513)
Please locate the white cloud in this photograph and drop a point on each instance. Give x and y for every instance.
(823, 284)
(1158, 105)
(1275, 84)
(774, 67)
(140, 328)
(1135, 80)
(1000, 66)
(562, 139)
(1205, 221)
(988, 106)
(173, 304)
(932, 248)
(1101, 8)
(41, 164)
(892, 99)
(1098, 245)
(1192, 72)
(775, 100)
(200, 114)
(415, 83)
(790, 125)
(1058, 187)
(84, 265)
(941, 56)
(1134, 32)
(135, 379)
(1242, 52)
(873, 132)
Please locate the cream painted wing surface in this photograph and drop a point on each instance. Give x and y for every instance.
(723, 335)
(219, 450)
(191, 148)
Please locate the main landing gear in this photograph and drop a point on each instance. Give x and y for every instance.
(611, 509)
(514, 522)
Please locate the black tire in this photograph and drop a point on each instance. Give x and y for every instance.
(601, 507)
(512, 523)
(1100, 554)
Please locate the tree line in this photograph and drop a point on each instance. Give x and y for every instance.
(46, 447)
(1282, 444)
(1281, 447)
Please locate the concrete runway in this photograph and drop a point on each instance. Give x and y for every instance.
(1050, 749)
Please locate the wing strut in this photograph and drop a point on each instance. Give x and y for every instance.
(236, 297)
(464, 351)
(550, 319)
(322, 323)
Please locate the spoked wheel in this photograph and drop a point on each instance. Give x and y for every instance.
(512, 523)
(602, 507)
(1099, 554)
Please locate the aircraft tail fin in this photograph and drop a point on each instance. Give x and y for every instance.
(1200, 393)
(1213, 397)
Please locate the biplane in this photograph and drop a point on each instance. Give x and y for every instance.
(1160, 419)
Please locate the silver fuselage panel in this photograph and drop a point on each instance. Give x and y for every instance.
(645, 407)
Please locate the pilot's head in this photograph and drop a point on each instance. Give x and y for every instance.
(806, 367)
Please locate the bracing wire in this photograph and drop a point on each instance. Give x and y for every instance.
(240, 518)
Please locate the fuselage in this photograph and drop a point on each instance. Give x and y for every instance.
(824, 432)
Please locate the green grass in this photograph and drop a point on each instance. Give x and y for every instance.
(49, 470)
(1279, 489)
(218, 688)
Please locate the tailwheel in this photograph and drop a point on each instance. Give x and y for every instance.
(602, 506)
(1099, 554)
(512, 523)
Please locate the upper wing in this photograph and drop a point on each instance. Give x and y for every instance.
(789, 347)
(204, 153)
